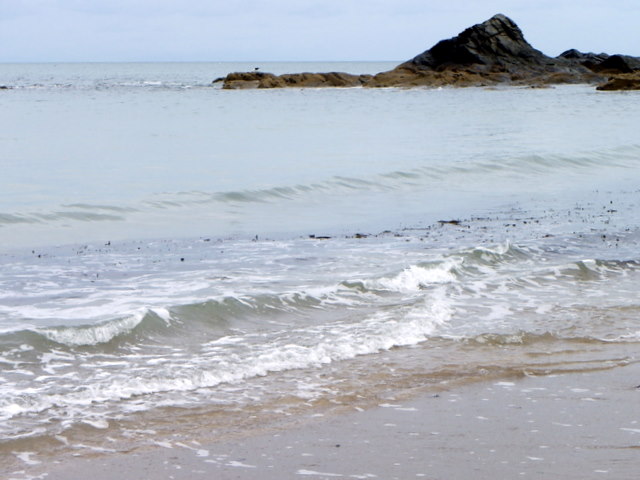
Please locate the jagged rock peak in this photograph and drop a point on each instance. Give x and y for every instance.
(497, 41)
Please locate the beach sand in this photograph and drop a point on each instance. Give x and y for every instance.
(572, 426)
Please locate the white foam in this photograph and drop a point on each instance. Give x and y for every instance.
(235, 463)
(500, 249)
(163, 313)
(632, 430)
(94, 334)
(415, 277)
(26, 457)
(96, 423)
(163, 444)
(11, 410)
(319, 474)
(235, 361)
(94, 448)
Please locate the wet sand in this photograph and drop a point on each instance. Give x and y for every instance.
(571, 426)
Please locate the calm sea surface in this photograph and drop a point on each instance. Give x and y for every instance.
(178, 259)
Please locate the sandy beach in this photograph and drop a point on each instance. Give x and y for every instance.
(571, 426)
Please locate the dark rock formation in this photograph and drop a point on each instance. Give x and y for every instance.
(489, 53)
(603, 63)
(621, 67)
(624, 70)
(618, 64)
(496, 42)
(588, 60)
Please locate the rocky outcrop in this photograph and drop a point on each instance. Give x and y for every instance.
(497, 44)
(603, 63)
(589, 60)
(623, 70)
(489, 53)
(269, 80)
(625, 81)
(618, 64)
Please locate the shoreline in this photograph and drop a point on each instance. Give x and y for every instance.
(576, 425)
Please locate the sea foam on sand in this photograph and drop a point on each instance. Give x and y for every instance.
(584, 425)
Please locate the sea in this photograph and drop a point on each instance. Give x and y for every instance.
(184, 263)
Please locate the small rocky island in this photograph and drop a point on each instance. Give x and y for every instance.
(494, 52)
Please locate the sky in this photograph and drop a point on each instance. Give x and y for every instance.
(295, 30)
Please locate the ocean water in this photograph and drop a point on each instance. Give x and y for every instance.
(179, 262)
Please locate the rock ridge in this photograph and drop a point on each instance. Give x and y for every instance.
(489, 53)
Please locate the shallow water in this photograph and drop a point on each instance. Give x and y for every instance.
(229, 258)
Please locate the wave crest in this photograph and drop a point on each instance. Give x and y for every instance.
(102, 333)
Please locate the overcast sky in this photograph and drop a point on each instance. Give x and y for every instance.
(250, 30)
